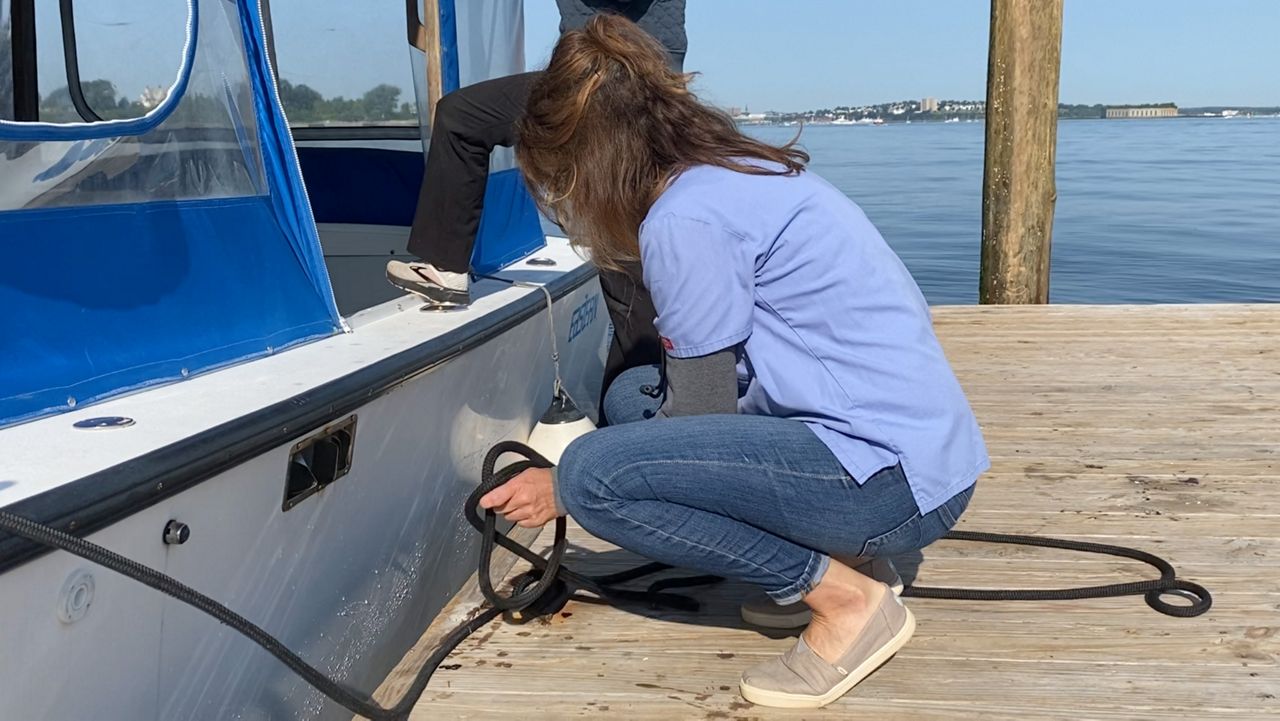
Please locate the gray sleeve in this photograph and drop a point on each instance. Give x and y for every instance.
(701, 386)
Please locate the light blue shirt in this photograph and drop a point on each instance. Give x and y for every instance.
(835, 332)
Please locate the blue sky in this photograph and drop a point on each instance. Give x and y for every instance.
(804, 54)
(765, 54)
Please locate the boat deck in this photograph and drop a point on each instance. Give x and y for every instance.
(1153, 427)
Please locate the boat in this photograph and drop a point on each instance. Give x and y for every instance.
(206, 371)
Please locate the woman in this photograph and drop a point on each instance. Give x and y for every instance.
(809, 413)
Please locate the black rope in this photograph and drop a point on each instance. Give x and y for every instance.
(528, 588)
(352, 700)
(1198, 597)
(551, 580)
(355, 701)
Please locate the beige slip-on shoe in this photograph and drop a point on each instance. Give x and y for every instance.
(801, 678)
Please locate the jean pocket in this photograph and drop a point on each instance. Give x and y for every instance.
(941, 520)
(950, 511)
(903, 539)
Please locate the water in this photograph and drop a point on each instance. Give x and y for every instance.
(1149, 211)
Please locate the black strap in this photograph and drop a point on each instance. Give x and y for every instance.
(71, 63)
(26, 87)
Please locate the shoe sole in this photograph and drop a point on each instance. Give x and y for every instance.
(788, 621)
(436, 294)
(782, 699)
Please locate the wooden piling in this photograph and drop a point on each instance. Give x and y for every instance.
(1018, 190)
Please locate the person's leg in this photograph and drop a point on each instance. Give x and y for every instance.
(762, 500)
(631, 311)
(469, 123)
(756, 498)
(634, 395)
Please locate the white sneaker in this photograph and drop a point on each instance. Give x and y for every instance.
(760, 610)
(441, 287)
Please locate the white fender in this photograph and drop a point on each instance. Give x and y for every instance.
(560, 425)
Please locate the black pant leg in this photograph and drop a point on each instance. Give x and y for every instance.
(635, 339)
(469, 123)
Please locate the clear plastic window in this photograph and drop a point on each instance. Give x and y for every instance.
(344, 64)
(121, 64)
(199, 143)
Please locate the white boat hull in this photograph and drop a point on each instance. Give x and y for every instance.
(348, 578)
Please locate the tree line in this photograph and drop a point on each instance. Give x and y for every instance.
(303, 105)
(379, 104)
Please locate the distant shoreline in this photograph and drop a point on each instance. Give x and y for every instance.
(931, 110)
(981, 119)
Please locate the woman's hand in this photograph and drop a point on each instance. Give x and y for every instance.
(528, 499)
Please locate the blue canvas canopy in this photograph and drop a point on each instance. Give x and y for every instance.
(145, 242)
(140, 250)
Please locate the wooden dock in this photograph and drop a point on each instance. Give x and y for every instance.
(1156, 427)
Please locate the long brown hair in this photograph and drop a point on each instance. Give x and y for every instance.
(610, 124)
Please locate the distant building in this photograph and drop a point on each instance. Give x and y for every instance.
(929, 105)
(746, 117)
(152, 97)
(1163, 111)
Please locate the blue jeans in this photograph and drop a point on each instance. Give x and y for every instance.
(753, 498)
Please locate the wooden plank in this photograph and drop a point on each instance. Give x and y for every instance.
(665, 685)
(449, 706)
(1138, 315)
